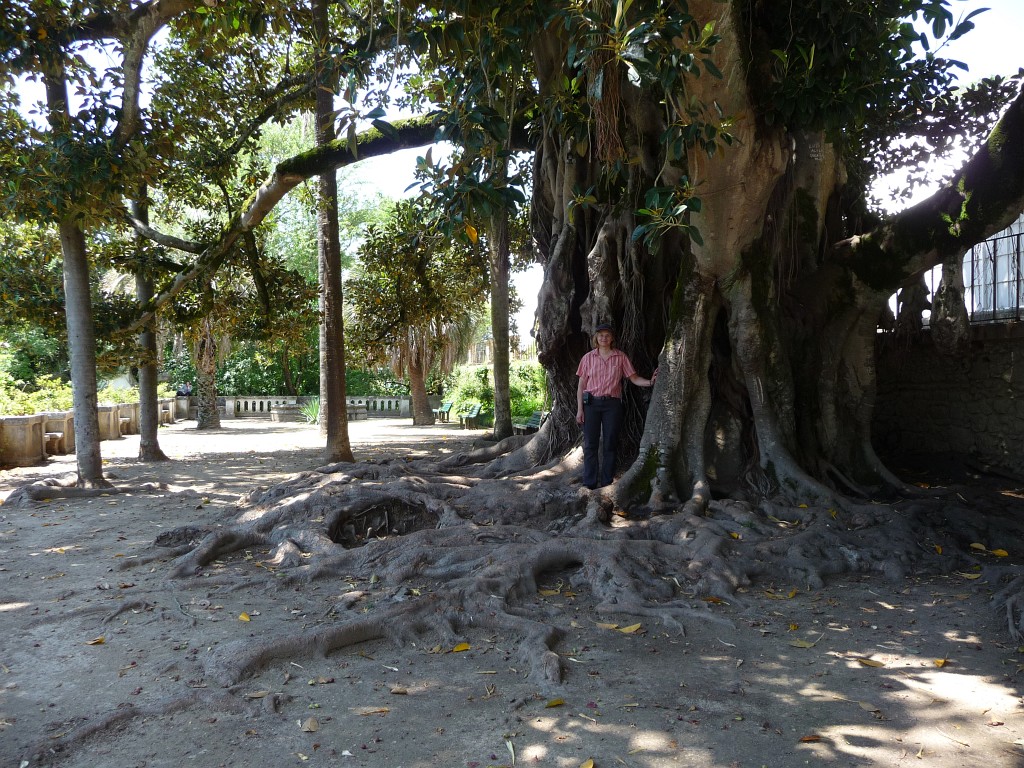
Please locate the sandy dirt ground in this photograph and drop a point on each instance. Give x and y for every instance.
(104, 658)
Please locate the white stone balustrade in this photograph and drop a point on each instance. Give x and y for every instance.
(383, 407)
(250, 406)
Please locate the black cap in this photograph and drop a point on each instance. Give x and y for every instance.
(604, 327)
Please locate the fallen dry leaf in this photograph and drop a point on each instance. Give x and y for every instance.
(869, 662)
(941, 662)
(548, 592)
(979, 547)
(400, 691)
(554, 703)
(587, 764)
(999, 553)
(810, 739)
(257, 694)
(798, 643)
(243, 616)
(374, 711)
(631, 629)
(311, 725)
(461, 647)
(608, 626)
(97, 641)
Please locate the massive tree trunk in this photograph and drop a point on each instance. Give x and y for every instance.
(333, 407)
(765, 328)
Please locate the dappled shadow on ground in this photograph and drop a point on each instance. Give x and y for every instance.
(107, 662)
(846, 676)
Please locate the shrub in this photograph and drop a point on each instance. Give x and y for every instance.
(528, 390)
(311, 410)
(46, 393)
(472, 386)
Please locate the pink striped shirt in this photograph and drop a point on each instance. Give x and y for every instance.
(603, 377)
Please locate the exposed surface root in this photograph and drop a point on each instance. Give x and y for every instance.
(65, 487)
(423, 557)
(80, 733)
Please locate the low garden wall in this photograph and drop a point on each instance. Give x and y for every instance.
(22, 440)
(28, 440)
(359, 407)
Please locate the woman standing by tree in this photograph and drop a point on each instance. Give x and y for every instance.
(599, 404)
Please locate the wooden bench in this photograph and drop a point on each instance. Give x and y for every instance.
(442, 413)
(467, 419)
(531, 425)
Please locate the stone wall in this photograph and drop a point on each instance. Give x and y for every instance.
(930, 404)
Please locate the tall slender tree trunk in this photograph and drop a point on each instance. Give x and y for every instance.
(82, 344)
(333, 408)
(498, 245)
(78, 314)
(149, 407)
(286, 372)
(208, 416)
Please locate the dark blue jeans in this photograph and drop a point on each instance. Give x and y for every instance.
(601, 422)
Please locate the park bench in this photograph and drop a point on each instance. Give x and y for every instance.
(531, 425)
(467, 419)
(441, 414)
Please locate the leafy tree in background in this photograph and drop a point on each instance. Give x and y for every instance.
(414, 297)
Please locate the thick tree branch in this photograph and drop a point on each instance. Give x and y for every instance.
(170, 241)
(133, 31)
(286, 176)
(984, 197)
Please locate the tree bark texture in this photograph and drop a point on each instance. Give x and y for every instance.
(498, 244)
(82, 344)
(333, 407)
(422, 413)
(208, 415)
(149, 407)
